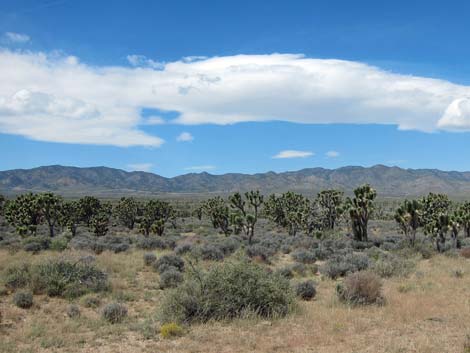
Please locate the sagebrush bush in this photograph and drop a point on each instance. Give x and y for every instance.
(390, 265)
(149, 258)
(23, 300)
(91, 301)
(171, 330)
(361, 288)
(36, 244)
(183, 248)
(261, 252)
(18, 276)
(73, 311)
(59, 243)
(171, 278)
(306, 290)
(339, 266)
(304, 256)
(209, 252)
(285, 272)
(114, 313)
(226, 291)
(166, 261)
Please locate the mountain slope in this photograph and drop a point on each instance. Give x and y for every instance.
(389, 181)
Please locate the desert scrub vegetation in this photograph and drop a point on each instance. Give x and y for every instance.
(114, 313)
(361, 288)
(227, 291)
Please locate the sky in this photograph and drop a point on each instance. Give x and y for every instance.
(175, 87)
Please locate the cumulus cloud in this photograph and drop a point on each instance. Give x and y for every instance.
(52, 97)
(293, 154)
(185, 137)
(200, 168)
(18, 38)
(332, 154)
(140, 167)
(141, 60)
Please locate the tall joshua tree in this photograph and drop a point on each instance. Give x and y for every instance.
(246, 211)
(360, 210)
(330, 202)
(408, 217)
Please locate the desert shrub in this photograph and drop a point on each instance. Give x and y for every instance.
(171, 278)
(183, 248)
(339, 266)
(171, 330)
(286, 272)
(286, 249)
(23, 300)
(71, 280)
(149, 258)
(91, 301)
(322, 253)
(36, 244)
(361, 288)
(114, 313)
(18, 276)
(228, 290)
(362, 245)
(59, 243)
(390, 265)
(152, 243)
(229, 245)
(259, 251)
(465, 253)
(304, 256)
(306, 290)
(112, 243)
(299, 268)
(73, 311)
(209, 252)
(166, 261)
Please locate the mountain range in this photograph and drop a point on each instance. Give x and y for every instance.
(104, 181)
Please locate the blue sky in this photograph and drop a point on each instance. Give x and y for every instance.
(183, 86)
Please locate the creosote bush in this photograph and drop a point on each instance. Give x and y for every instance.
(228, 290)
(171, 330)
(114, 313)
(361, 288)
(306, 290)
(23, 300)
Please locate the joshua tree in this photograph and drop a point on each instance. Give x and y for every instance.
(218, 212)
(360, 210)
(127, 211)
(290, 211)
(408, 217)
(463, 214)
(89, 207)
(24, 213)
(330, 202)
(70, 216)
(246, 211)
(100, 223)
(50, 205)
(156, 214)
(435, 217)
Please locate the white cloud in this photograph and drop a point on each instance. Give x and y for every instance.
(143, 61)
(293, 154)
(332, 154)
(18, 38)
(200, 167)
(185, 137)
(52, 97)
(141, 167)
(154, 120)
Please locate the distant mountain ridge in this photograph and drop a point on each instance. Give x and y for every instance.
(389, 181)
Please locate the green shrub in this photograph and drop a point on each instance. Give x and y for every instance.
(390, 266)
(166, 261)
(114, 313)
(23, 300)
(361, 288)
(209, 252)
(339, 266)
(59, 244)
(304, 256)
(90, 301)
(306, 290)
(18, 276)
(36, 244)
(226, 291)
(171, 330)
(171, 278)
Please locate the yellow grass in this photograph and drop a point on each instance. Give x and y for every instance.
(429, 312)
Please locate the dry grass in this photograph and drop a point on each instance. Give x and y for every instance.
(429, 312)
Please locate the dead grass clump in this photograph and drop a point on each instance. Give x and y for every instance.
(361, 288)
